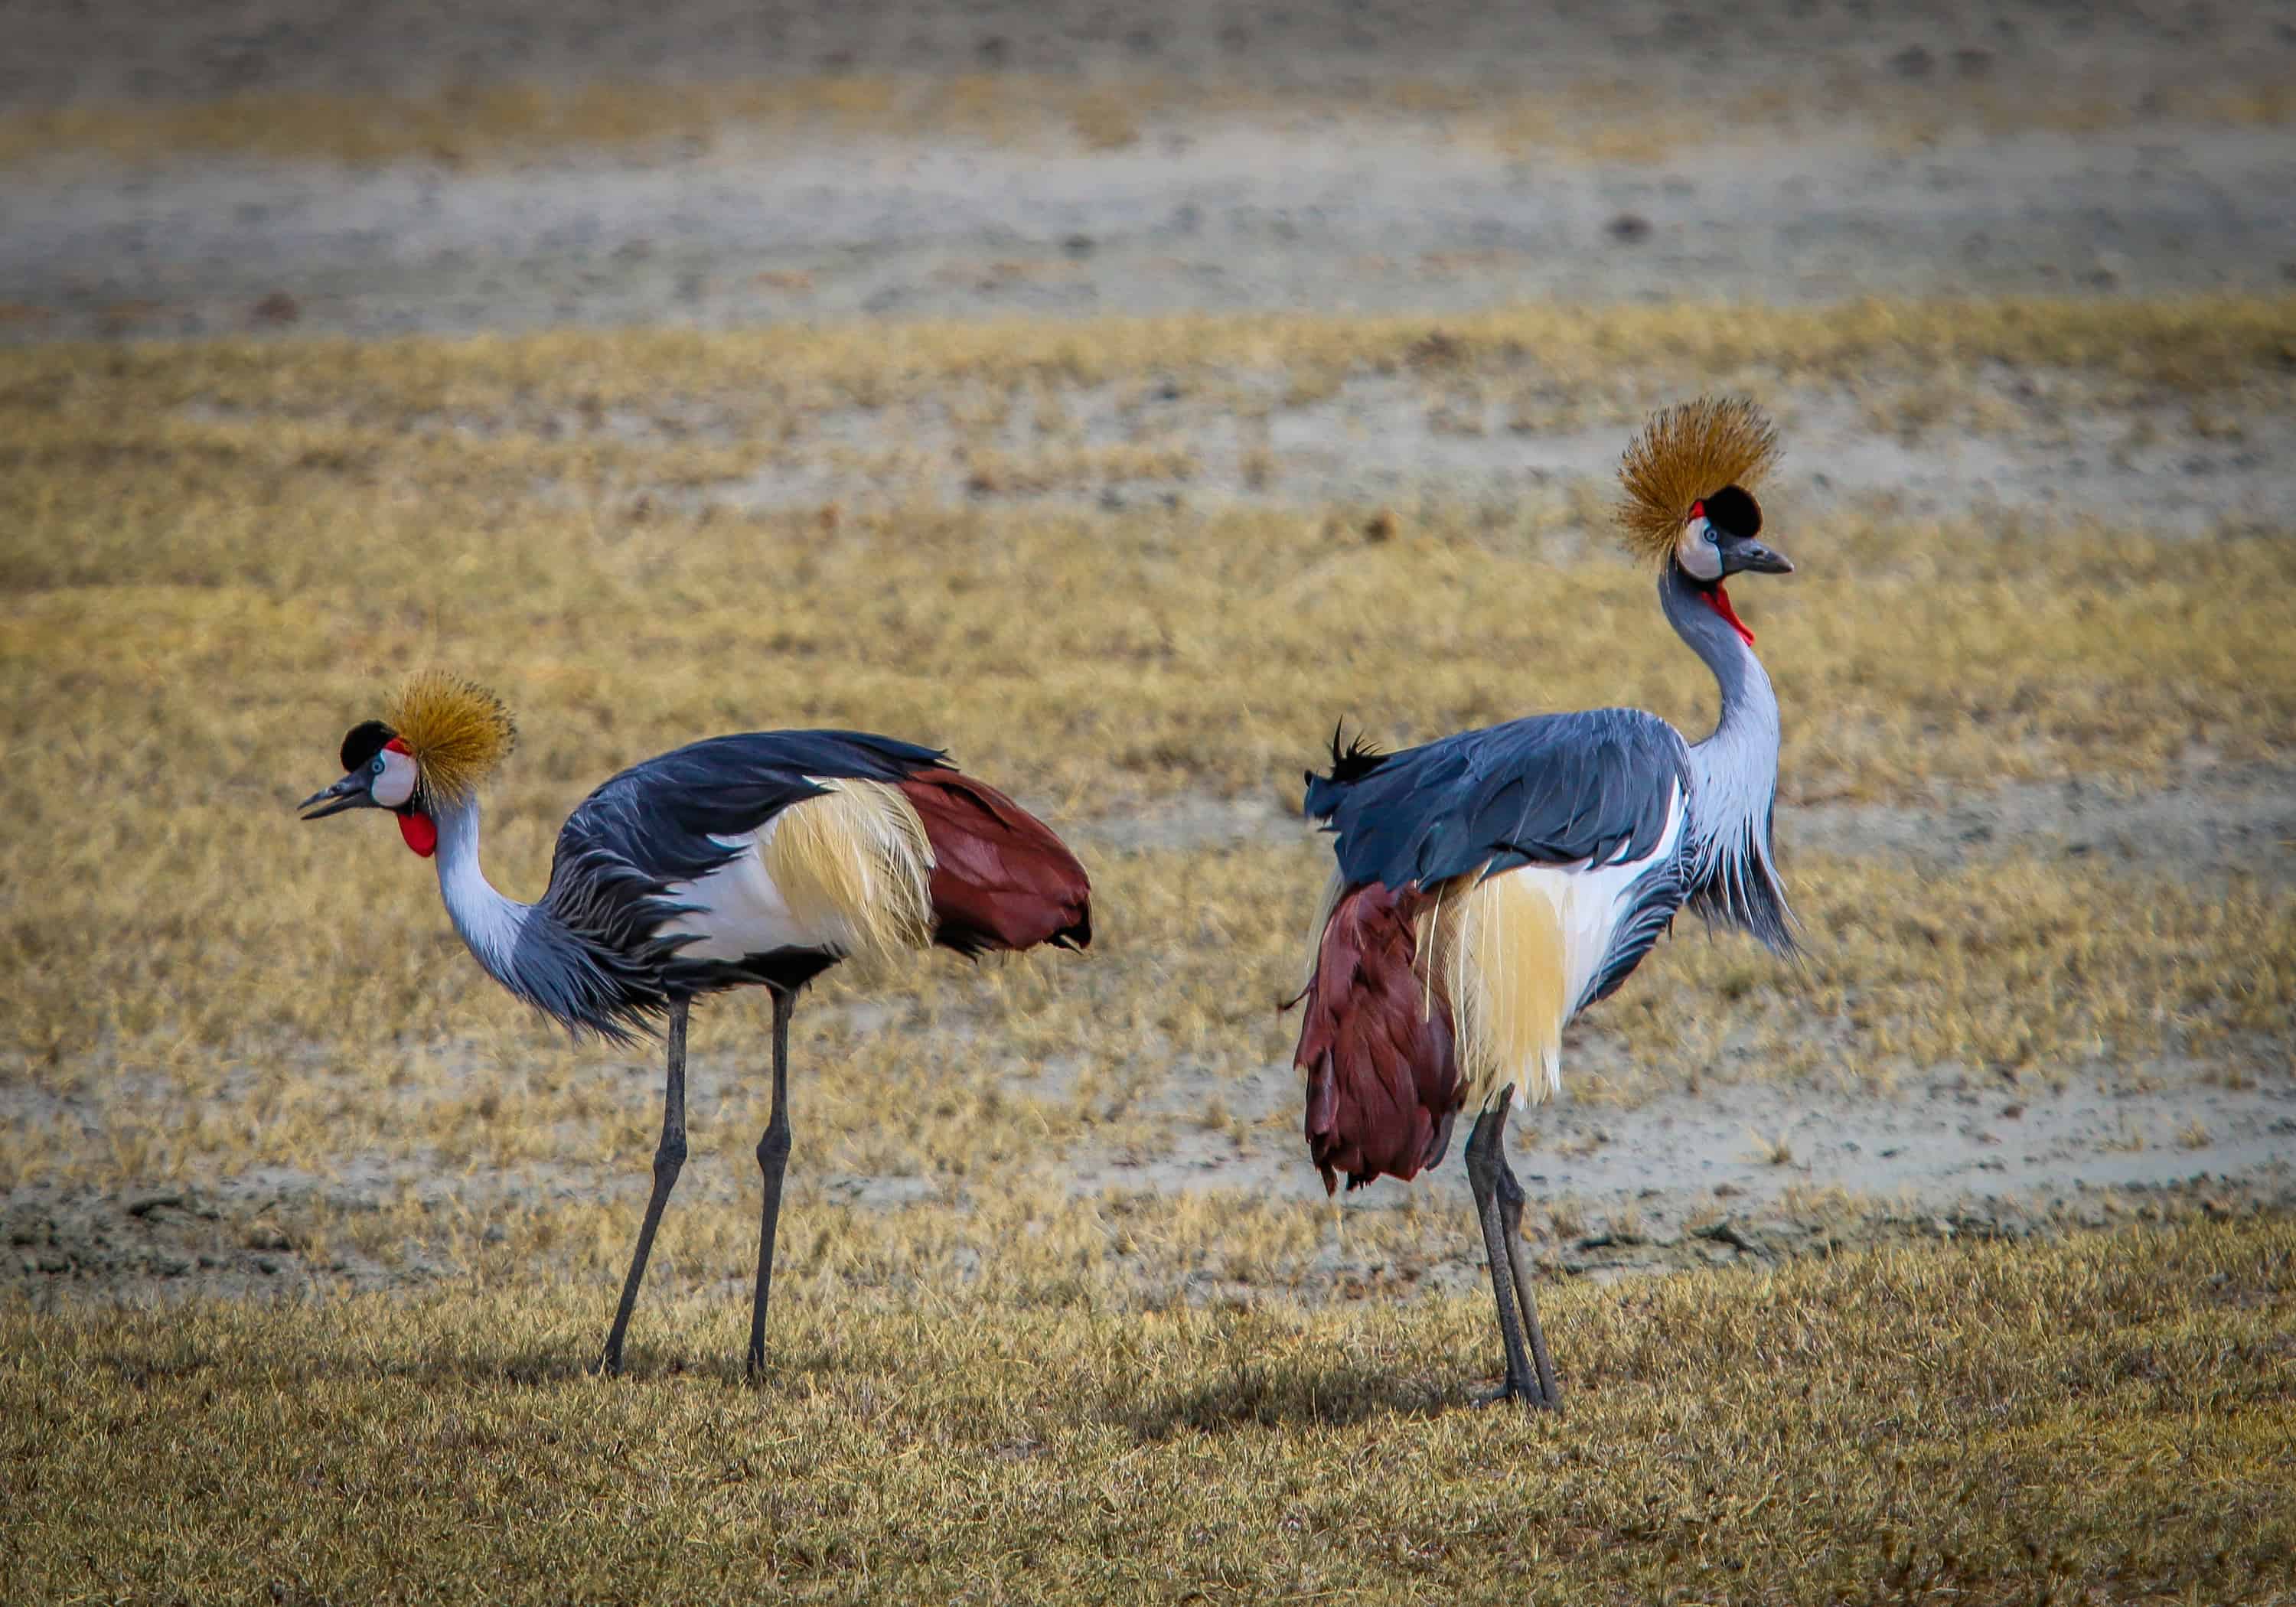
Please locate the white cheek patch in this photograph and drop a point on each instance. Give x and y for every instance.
(1696, 554)
(395, 784)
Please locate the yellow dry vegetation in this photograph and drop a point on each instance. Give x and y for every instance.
(1594, 120)
(2106, 1419)
(988, 470)
(219, 557)
(572, 389)
(215, 558)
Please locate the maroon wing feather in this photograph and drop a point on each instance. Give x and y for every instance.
(1376, 1045)
(1001, 879)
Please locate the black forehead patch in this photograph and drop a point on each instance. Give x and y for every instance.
(363, 742)
(1734, 512)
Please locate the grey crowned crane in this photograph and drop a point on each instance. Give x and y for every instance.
(759, 859)
(1493, 884)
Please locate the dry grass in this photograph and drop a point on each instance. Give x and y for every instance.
(2107, 1419)
(989, 472)
(215, 558)
(1592, 120)
(704, 382)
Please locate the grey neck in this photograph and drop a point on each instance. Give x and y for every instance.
(1734, 775)
(488, 923)
(566, 972)
(1743, 750)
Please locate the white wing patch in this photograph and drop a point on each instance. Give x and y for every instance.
(737, 911)
(1597, 904)
(848, 871)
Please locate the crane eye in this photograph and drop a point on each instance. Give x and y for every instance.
(375, 768)
(394, 779)
(1713, 536)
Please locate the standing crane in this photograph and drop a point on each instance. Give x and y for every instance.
(1494, 883)
(761, 859)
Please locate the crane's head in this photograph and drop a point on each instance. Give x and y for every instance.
(441, 737)
(1689, 502)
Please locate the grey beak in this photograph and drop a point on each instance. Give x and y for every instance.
(1754, 556)
(349, 794)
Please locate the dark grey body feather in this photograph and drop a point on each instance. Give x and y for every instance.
(1591, 788)
(1649, 911)
(1736, 884)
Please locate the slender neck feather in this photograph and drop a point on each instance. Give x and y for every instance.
(557, 965)
(1734, 776)
(489, 923)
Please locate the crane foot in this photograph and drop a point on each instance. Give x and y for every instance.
(1525, 1396)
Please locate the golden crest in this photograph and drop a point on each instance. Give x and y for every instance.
(457, 730)
(1684, 455)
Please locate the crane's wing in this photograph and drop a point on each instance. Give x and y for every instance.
(667, 822)
(1594, 788)
(668, 816)
(674, 819)
(670, 858)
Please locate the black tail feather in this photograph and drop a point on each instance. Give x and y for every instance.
(1351, 764)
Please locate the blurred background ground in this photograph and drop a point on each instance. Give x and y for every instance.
(1120, 397)
(721, 164)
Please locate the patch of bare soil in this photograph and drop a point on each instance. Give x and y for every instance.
(1350, 187)
(2039, 456)
(1364, 217)
(1744, 1172)
(168, 1241)
(2225, 820)
(65, 52)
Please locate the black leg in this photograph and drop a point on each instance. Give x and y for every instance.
(773, 1159)
(669, 1157)
(1482, 1148)
(1511, 1203)
(1498, 1206)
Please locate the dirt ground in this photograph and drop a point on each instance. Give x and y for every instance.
(65, 52)
(1333, 192)
(1325, 156)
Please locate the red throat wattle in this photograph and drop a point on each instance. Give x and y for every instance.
(421, 831)
(1716, 599)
